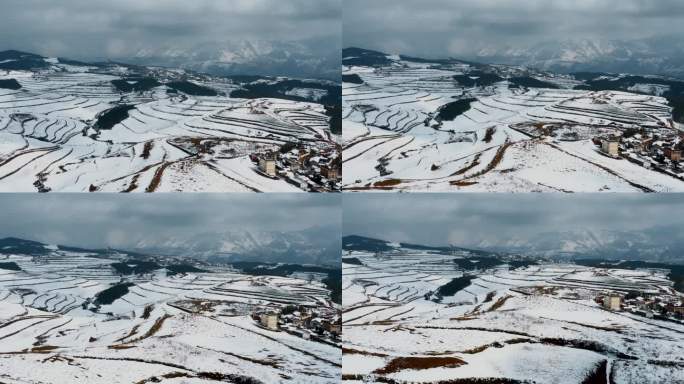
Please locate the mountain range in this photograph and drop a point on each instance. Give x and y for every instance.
(314, 59)
(311, 246)
(314, 246)
(656, 245)
(663, 55)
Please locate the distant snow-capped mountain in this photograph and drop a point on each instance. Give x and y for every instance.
(654, 244)
(294, 59)
(662, 55)
(311, 246)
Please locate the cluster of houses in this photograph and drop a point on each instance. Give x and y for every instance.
(648, 149)
(659, 306)
(311, 170)
(320, 324)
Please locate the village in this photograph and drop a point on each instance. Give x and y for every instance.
(657, 150)
(661, 306)
(311, 169)
(321, 324)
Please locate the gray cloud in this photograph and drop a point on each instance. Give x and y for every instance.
(87, 29)
(122, 221)
(442, 28)
(496, 219)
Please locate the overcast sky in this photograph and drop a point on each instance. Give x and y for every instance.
(121, 221)
(472, 219)
(99, 29)
(443, 28)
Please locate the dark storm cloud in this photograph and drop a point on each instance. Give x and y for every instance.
(495, 219)
(122, 221)
(441, 28)
(94, 29)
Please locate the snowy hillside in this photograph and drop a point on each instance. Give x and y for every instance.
(445, 125)
(69, 126)
(457, 316)
(74, 315)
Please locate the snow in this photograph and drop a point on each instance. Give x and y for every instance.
(391, 135)
(494, 326)
(56, 147)
(44, 305)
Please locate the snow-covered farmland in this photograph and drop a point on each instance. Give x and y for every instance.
(180, 328)
(168, 141)
(506, 137)
(534, 324)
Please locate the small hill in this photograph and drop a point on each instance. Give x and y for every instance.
(17, 60)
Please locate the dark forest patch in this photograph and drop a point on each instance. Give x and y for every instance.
(478, 262)
(135, 267)
(12, 84)
(353, 79)
(192, 88)
(108, 119)
(454, 286)
(477, 78)
(351, 260)
(135, 84)
(529, 82)
(10, 266)
(335, 113)
(112, 293)
(450, 111)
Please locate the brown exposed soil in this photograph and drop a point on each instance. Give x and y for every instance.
(462, 183)
(147, 149)
(350, 351)
(43, 349)
(489, 134)
(150, 332)
(387, 183)
(156, 179)
(499, 303)
(133, 185)
(417, 363)
(473, 164)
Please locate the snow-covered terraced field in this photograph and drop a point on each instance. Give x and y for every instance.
(182, 328)
(170, 141)
(394, 141)
(534, 324)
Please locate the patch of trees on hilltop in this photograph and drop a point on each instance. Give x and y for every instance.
(135, 84)
(12, 84)
(335, 114)
(112, 117)
(450, 111)
(192, 89)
